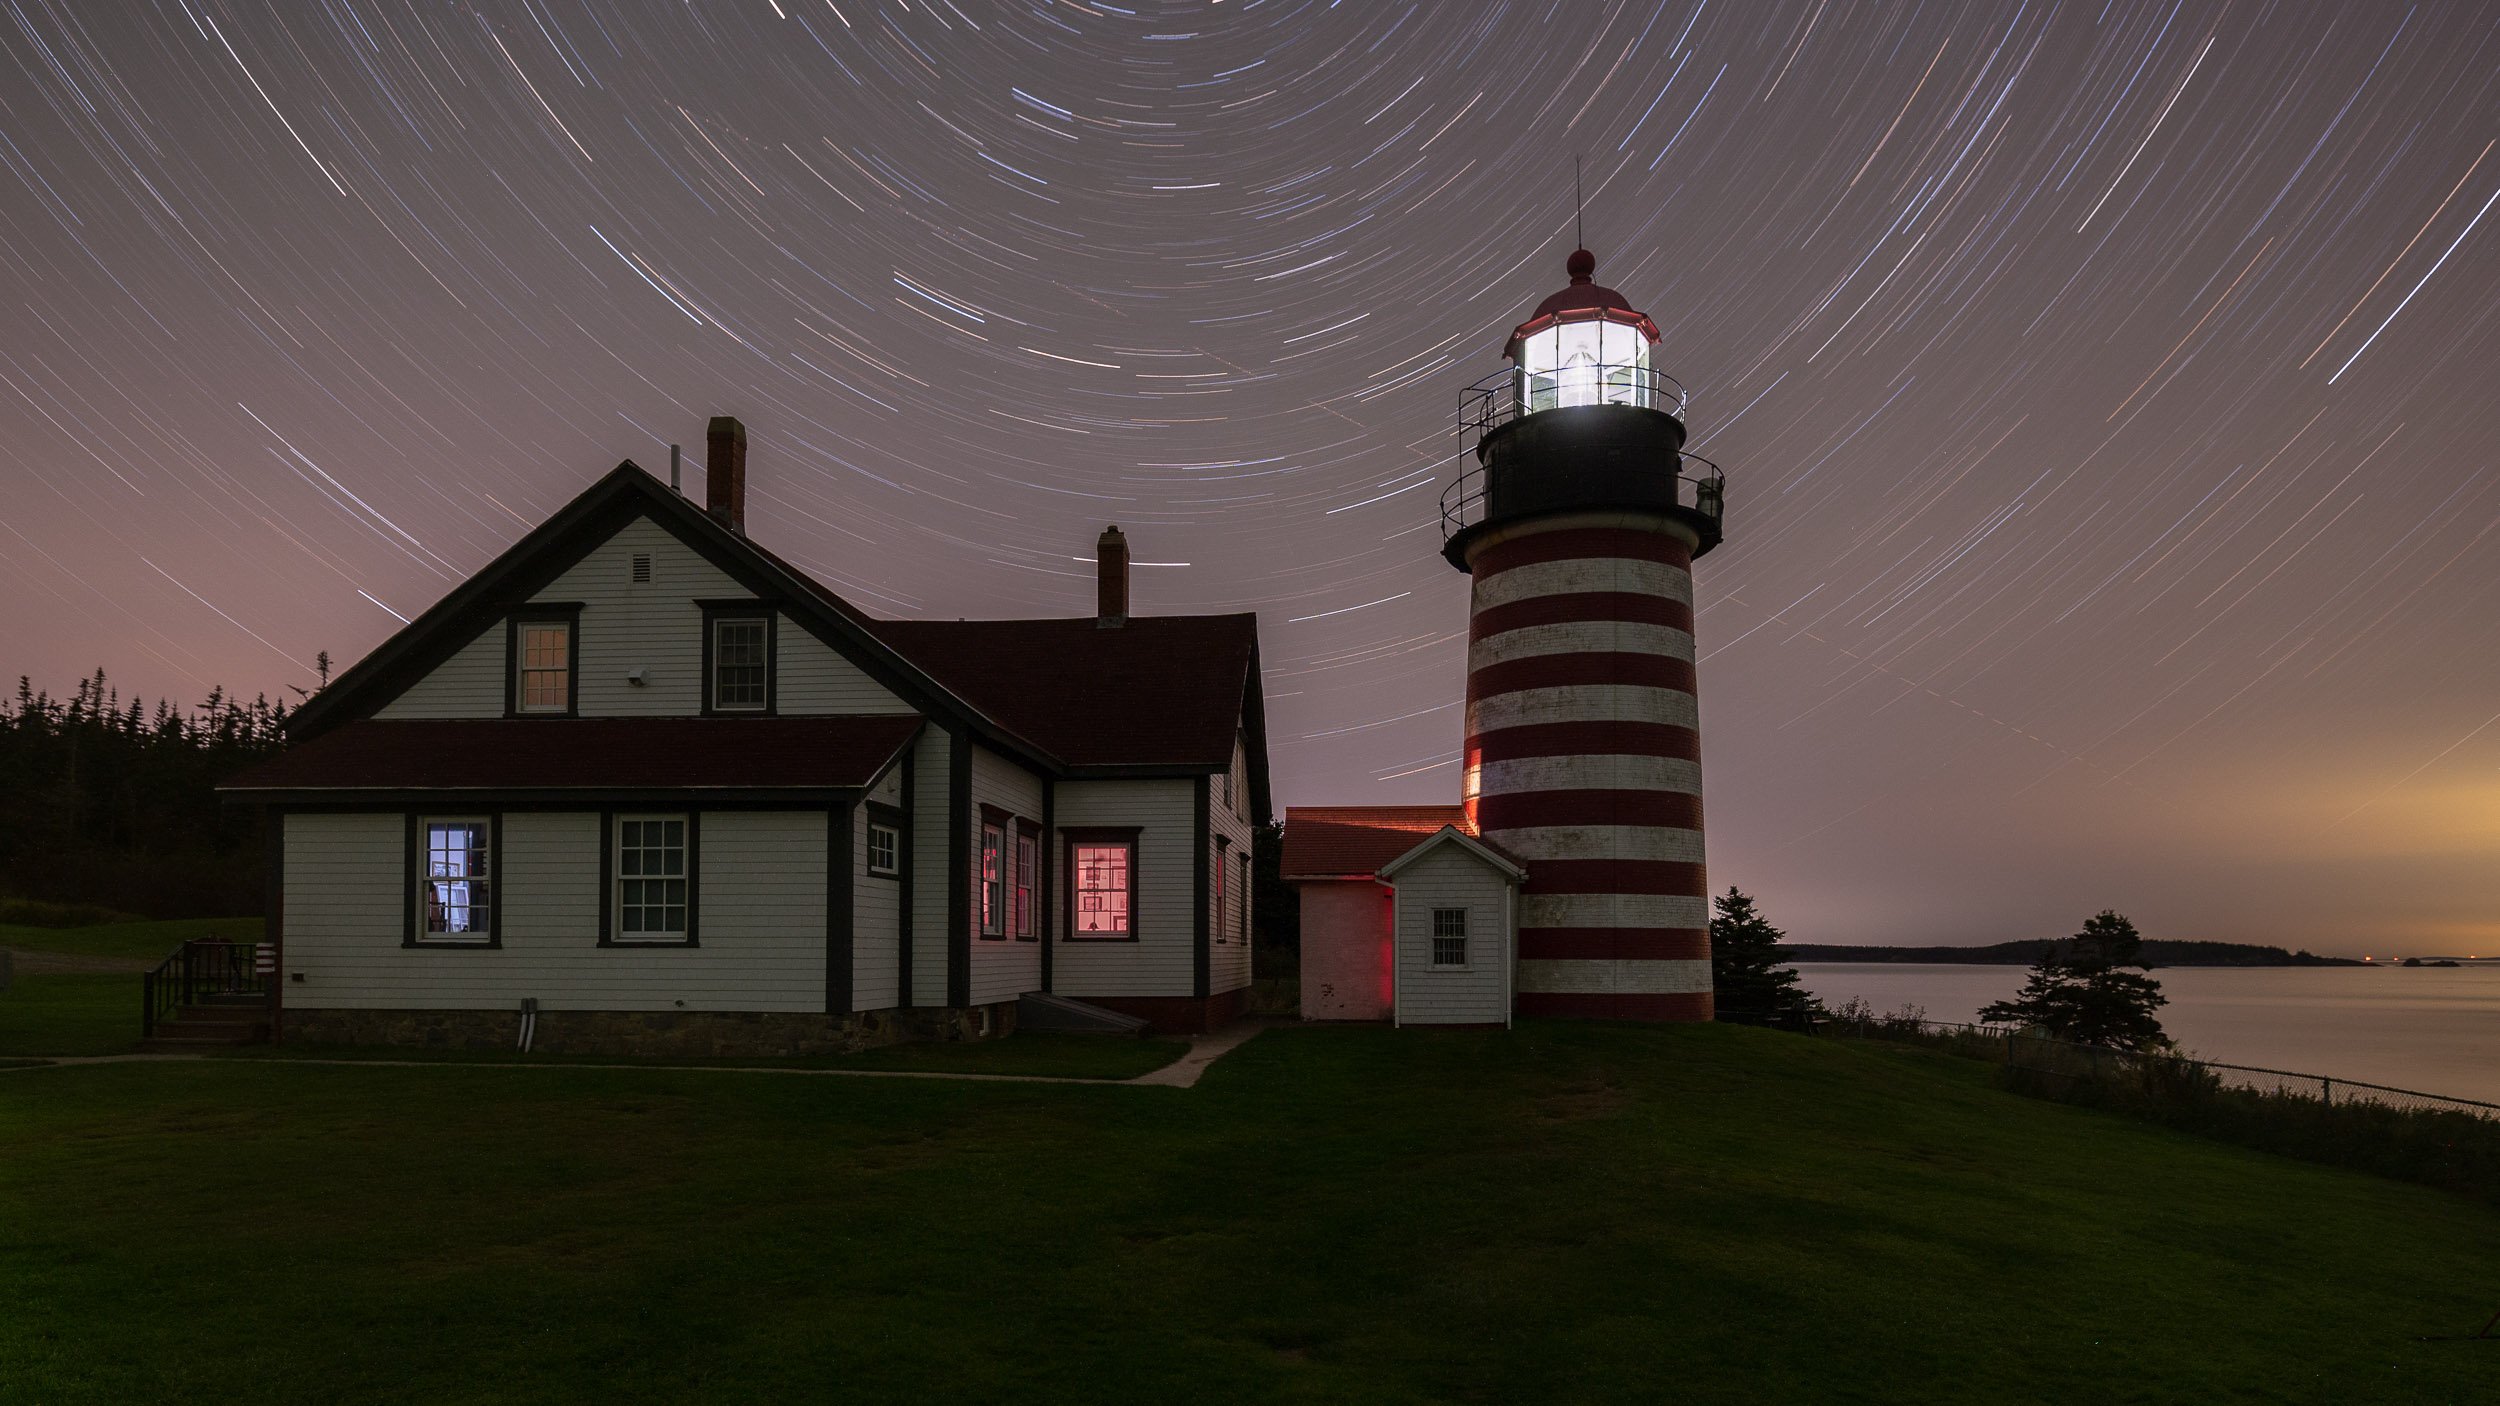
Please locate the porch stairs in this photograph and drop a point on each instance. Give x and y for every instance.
(1058, 1014)
(208, 995)
(213, 1022)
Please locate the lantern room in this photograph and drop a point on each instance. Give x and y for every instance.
(1587, 345)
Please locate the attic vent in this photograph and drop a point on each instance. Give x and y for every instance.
(642, 568)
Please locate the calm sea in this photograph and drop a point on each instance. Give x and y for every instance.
(2435, 1029)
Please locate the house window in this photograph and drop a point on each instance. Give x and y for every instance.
(654, 887)
(1102, 888)
(993, 881)
(542, 666)
(885, 850)
(1449, 937)
(1216, 872)
(741, 664)
(1028, 875)
(455, 898)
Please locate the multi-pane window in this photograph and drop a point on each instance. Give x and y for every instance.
(993, 881)
(741, 658)
(1449, 937)
(651, 884)
(885, 849)
(1028, 874)
(1099, 889)
(1216, 872)
(455, 892)
(543, 673)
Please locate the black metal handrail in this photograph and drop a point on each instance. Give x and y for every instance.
(1462, 503)
(196, 971)
(1511, 392)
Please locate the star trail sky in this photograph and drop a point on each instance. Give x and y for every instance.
(2106, 389)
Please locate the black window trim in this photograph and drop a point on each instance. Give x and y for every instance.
(1004, 822)
(608, 877)
(537, 613)
(716, 611)
(1070, 837)
(891, 818)
(413, 871)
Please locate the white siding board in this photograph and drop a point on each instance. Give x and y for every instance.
(814, 679)
(761, 925)
(1478, 993)
(654, 626)
(1228, 966)
(467, 685)
(1001, 969)
(876, 932)
(1161, 961)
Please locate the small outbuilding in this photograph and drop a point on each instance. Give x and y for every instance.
(1407, 916)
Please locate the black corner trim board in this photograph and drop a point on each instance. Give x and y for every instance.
(1049, 911)
(839, 975)
(959, 865)
(1201, 955)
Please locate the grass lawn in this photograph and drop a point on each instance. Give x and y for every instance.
(1559, 1213)
(146, 940)
(70, 1013)
(1047, 1055)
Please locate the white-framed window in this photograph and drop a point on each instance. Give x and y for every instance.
(542, 672)
(993, 880)
(1028, 879)
(741, 664)
(1449, 937)
(1102, 887)
(654, 881)
(455, 897)
(885, 849)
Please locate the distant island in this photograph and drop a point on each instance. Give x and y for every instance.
(2023, 954)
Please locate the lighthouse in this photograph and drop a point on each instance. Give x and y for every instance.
(1578, 524)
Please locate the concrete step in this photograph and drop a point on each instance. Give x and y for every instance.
(1036, 1011)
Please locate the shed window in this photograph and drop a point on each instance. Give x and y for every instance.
(455, 891)
(993, 881)
(543, 673)
(1101, 889)
(1449, 937)
(885, 850)
(653, 902)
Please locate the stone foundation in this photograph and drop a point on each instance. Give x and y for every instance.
(684, 1034)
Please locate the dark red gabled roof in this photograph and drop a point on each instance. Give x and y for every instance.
(1160, 690)
(503, 754)
(1338, 841)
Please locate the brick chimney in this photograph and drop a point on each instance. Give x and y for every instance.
(725, 473)
(1111, 579)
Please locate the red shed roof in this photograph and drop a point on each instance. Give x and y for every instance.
(587, 754)
(1336, 841)
(1158, 690)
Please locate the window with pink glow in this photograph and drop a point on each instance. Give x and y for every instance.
(1099, 889)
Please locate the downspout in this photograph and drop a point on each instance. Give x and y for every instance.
(529, 1021)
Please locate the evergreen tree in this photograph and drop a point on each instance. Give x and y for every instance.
(1751, 982)
(2081, 990)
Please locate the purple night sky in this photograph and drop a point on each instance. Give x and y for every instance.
(2105, 389)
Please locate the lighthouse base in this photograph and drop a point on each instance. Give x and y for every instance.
(1616, 1005)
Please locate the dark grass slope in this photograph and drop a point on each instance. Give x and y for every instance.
(1562, 1213)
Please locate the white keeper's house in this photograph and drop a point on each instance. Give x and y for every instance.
(647, 785)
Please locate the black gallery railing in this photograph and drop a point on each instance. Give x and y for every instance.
(202, 970)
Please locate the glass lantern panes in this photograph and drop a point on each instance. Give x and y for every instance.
(456, 893)
(1591, 362)
(651, 878)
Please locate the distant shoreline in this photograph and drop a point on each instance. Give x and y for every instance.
(2023, 954)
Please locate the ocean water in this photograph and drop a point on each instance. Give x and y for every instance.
(2432, 1029)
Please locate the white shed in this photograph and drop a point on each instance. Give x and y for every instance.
(1453, 931)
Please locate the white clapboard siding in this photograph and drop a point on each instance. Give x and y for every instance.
(876, 932)
(467, 685)
(1477, 994)
(814, 679)
(1228, 967)
(1001, 969)
(761, 921)
(1161, 961)
(929, 866)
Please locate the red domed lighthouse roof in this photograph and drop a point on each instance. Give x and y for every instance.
(1584, 301)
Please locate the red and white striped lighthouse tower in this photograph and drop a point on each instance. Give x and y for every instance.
(1579, 523)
